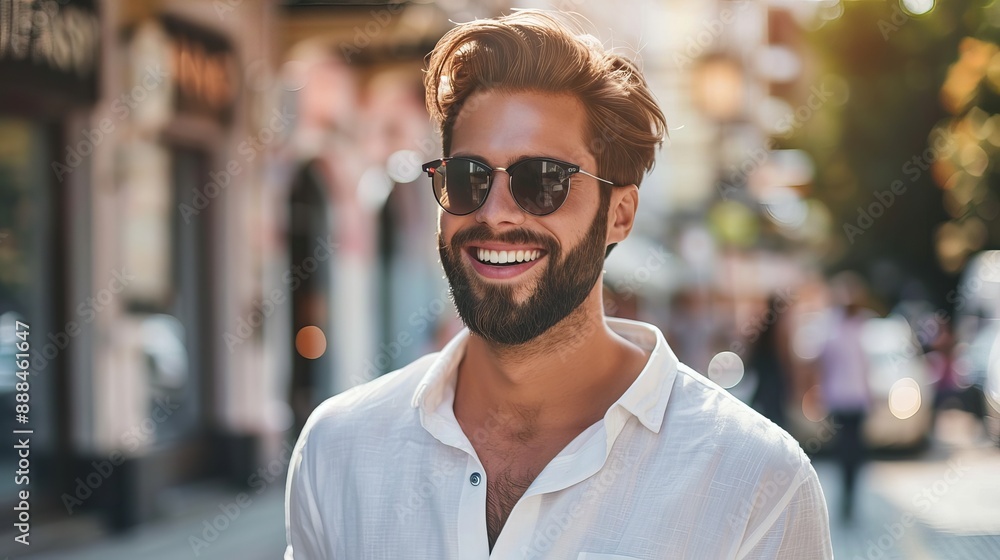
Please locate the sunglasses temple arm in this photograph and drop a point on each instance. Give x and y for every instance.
(596, 177)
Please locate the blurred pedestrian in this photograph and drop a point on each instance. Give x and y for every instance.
(769, 360)
(844, 371)
(944, 370)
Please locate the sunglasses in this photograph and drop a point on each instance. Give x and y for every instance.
(539, 185)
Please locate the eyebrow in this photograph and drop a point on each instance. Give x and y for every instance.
(510, 162)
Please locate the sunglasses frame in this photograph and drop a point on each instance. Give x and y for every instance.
(571, 169)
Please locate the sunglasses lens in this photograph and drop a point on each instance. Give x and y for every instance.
(539, 186)
(461, 185)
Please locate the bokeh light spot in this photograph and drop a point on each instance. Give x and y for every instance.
(917, 7)
(310, 342)
(904, 398)
(403, 166)
(812, 404)
(726, 369)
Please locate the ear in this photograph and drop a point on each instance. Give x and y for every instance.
(621, 214)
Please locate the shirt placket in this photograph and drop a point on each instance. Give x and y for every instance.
(473, 543)
(517, 539)
(472, 539)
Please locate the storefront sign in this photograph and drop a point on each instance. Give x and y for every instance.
(204, 70)
(49, 45)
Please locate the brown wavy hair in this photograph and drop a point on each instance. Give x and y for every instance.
(532, 50)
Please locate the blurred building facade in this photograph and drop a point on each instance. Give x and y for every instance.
(54, 85)
(136, 137)
(354, 76)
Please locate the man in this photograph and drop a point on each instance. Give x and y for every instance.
(545, 430)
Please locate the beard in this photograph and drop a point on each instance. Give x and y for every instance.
(490, 311)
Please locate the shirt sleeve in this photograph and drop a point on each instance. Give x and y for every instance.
(797, 527)
(303, 523)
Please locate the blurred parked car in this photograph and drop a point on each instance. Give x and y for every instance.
(900, 382)
(982, 360)
(991, 388)
(978, 317)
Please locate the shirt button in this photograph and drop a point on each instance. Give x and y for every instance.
(475, 478)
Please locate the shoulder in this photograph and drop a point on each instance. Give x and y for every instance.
(364, 410)
(750, 467)
(721, 425)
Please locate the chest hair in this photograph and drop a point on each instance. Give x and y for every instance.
(503, 489)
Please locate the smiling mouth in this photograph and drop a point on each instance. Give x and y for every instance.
(505, 258)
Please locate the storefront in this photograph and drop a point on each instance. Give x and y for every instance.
(175, 174)
(134, 141)
(50, 57)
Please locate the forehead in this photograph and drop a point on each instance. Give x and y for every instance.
(501, 125)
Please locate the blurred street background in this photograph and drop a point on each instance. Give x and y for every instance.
(212, 219)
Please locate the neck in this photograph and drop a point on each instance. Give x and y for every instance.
(563, 380)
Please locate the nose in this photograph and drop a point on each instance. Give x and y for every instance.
(499, 209)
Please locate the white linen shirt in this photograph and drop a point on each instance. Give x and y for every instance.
(677, 468)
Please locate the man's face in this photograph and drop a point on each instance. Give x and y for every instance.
(515, 302)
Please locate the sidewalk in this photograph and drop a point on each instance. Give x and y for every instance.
(943, 505)
(257, 532)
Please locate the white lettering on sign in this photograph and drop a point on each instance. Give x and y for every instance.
(64, 38)
(202, 76)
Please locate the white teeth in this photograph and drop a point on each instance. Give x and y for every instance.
(504, 257)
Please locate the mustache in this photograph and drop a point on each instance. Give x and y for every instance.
(482, 232)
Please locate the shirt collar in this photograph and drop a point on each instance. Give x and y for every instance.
(646, 398)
